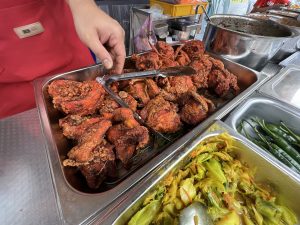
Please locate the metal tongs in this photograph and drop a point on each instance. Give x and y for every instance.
(171, 71)
(106, 80)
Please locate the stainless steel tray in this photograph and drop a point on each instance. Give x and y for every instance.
(267, 171)
(270, 110)
(285, 86)
(79, 207)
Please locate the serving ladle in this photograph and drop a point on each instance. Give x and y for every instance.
(195, 214)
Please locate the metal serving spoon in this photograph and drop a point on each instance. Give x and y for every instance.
(195, 214)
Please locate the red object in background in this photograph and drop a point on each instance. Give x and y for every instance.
(56, 50)
(266, 3)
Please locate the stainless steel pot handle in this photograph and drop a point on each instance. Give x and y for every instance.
(204, 10)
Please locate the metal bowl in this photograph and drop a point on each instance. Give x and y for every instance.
(290, 46)
(248, 41)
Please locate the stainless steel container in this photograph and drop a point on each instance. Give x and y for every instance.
(268, 170)
(270, 110)
(290, 46)
(293, 24)
(285, 86)
(77, 204)
(248, 41)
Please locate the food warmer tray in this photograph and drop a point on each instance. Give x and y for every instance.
(270, 110)
(77, 207)
(285, 86)
(268, 171)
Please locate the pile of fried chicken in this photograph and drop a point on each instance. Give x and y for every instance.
(104, 132)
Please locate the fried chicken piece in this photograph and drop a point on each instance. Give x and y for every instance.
(194, 49)
(108, 106)
(161, 115)
(74, 126)
(102, 165)
(181, 57)
(217, 64)
(203, 66)
(152, 88)
(91, 138)
(128, 135)
(138, 89)
(93, 156)
(147, 61)
(222, 82)
(128, 99)
(195, 108)
(175, 86)
(166, 63)
(80, 98)
(143, 90)
(165, 50)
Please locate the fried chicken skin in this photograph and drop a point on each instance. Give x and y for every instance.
(72, 97)
(102, 166)
(203, 67)
(108, 106)
(147, 61)
(88, 141)
(161, 115)
(194, 49)
(195, 108)
(129, 100)
(143, 90)
(152, 88)
(182, 58)
(127, 135)
(174, 87)
(74, 126)
(222, 82)
(166, 63)
(217, 64)
(164, 50)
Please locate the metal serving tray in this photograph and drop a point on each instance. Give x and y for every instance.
(285, 86)
(81, 207)
(267, 171)
(270, 110)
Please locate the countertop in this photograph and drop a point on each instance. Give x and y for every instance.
(26, 192)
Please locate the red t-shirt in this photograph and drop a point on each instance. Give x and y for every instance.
(56, 50)
(266, 3)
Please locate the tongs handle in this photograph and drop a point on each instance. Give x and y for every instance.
(166, 72)
(108, 79)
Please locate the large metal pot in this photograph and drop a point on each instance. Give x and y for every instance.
(290, 46)
(248, 41)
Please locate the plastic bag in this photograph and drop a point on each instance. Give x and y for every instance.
(145, 37)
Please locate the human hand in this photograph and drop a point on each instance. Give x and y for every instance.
(102, 34)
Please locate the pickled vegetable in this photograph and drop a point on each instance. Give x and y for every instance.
(218, 180)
